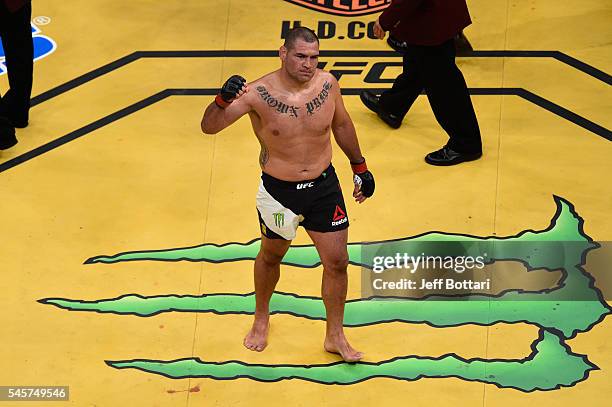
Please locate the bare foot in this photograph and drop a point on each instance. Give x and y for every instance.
(340, 345)
(257, 338)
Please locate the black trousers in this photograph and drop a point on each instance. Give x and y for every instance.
(433, 69)
(16, 34)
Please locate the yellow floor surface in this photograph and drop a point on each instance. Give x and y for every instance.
(91, 178)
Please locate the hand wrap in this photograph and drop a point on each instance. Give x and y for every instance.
(363, 178)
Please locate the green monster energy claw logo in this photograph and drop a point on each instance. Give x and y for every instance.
(279, 219)
(550, 365)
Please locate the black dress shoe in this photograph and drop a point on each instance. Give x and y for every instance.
(446, 156)
(372, 102)
(7, 134)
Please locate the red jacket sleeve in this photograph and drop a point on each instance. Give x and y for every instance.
(396, 10)
(14, 5)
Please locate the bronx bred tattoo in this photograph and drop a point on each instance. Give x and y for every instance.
(316, 103)
(279, 106)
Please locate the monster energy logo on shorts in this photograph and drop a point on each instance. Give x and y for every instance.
(279, 219)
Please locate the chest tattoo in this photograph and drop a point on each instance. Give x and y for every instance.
(276, 104)
(316, 103)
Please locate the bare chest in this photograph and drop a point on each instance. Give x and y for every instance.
(280, 113)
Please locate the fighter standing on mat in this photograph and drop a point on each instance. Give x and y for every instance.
(292, 111)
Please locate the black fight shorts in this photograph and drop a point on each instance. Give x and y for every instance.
(315, 204)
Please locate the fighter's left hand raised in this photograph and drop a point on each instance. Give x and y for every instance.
(364, 181)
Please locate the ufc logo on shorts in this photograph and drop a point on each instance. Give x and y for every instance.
(304, 185)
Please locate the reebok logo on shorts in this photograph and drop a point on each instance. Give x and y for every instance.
(339, 217)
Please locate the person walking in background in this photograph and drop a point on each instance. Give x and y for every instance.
(463, 46)
(425, 32)
(16, 34)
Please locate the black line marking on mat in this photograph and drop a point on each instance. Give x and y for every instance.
(113, 117)
(530, 97)
(525, 94)
(119, 63)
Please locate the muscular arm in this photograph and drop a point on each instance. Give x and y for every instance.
(343, 128)
(216, 119)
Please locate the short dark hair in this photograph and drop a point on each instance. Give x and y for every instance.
(302, 33)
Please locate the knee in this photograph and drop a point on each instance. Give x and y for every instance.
(270, 259)
(337, 264)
